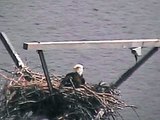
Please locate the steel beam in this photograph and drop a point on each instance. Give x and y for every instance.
(92, 44)
(130, 71)
(45, 69)
(9, 47)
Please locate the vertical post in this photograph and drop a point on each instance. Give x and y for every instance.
(45, 70)
(14, 55)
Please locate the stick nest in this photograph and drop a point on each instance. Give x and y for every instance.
(26, 96)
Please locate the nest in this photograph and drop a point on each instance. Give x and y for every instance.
(26, 95)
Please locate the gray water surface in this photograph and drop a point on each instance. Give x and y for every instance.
(53, 20)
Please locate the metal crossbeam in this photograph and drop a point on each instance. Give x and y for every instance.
(92, 44)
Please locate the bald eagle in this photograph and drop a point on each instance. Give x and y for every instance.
(74, 79)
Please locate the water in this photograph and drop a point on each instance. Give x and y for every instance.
(52, 20)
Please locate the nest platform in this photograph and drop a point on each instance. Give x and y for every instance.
(26, 96)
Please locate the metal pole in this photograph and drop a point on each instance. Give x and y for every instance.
(14, 55)
(45, 69)
(130, 71)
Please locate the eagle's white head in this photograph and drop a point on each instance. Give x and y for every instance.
(78, 68)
